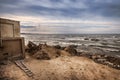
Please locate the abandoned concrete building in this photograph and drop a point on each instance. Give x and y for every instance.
(11, 44)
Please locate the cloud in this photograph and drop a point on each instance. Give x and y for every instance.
(62, 8)
(64, 16)
(75, 28)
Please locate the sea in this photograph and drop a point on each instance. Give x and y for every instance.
(87, 43)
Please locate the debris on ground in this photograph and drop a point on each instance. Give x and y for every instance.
(32, 48)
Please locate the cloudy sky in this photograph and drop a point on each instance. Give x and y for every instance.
(64, 16)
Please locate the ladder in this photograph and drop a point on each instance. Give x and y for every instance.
(22, 66)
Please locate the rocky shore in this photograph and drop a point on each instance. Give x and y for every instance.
(62, 63)
(46, 52)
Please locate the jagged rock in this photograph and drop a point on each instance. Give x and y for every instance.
(45, 52)
(31, 44)
(113, 60)
(32, 48)
(71, 50)
(57, 46)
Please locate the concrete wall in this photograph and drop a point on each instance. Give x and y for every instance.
(9, 28)
(11, 44)
(12, 47)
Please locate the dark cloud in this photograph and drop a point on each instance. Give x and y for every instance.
(3, 2)
(10, 6)
(66, 10)
(103, 8)
(70, 12)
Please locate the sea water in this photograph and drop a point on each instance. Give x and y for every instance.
(94, 43)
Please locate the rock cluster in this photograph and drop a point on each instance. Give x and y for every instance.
(111, 61)
(71, 49)
(45, 52)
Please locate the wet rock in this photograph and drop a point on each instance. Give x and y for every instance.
(62, 48)
(114, 60)
(71, 50)
(86, 38)
(95, 39)
(96, 56)
(57, 46)
(73, 46)
(110, 61)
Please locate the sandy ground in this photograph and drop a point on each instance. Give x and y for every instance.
(63, 68)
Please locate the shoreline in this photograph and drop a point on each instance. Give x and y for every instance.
(104, 59)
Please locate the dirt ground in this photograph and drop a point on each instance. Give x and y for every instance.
(49, 63)
(62, 68)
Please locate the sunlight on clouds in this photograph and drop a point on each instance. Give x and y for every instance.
(36, 20)
(25, 20)
(46, 26)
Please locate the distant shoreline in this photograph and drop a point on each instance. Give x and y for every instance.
(73, 34)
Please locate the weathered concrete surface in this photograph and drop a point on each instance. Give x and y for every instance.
(11, 44)
(9, 28)
(12, 47)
